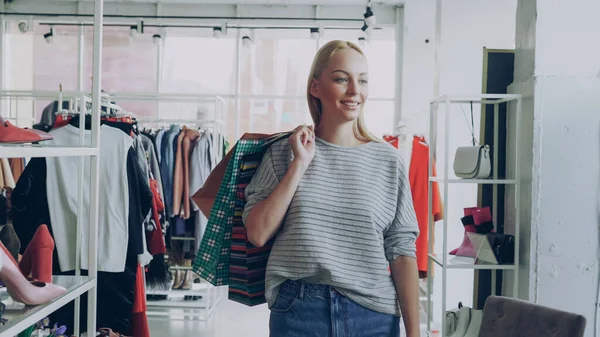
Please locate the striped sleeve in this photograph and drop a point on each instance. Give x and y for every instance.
(400, 238)
(262, 184)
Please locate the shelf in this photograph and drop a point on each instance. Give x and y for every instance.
(19, 320)
(474, 181)
(197, 289)
(34, 151)
(183, 238)
(459, 262)
(180, 268)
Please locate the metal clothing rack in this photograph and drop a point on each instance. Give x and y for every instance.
(210, 295)
(215, 124)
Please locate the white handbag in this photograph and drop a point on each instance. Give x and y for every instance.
(472, 162)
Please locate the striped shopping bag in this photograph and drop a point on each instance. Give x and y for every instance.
(212, 260)
(248, 263)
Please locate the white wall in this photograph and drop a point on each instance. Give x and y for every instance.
(19, 63)
(467, 27)
(558, 76)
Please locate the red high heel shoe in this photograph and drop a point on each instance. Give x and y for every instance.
(14, 135)
(37, 258)
(22, 290)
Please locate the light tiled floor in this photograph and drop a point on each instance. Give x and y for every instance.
(229, 319)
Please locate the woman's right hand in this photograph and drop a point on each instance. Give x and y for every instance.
(302, 142)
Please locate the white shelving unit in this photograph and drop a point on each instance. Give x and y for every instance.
(19, 320)
(446, 180)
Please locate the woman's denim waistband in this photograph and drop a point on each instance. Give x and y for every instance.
(302, 288)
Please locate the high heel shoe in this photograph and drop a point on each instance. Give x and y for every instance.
(37, 258)
(22, 290)
(15, 135)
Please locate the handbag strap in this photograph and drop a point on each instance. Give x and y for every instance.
(472, 125)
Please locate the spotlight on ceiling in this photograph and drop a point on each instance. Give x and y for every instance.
(133, 32)
(156, 38)
(370, 16)
(217, 32)
(246, 41)
(23, 27)
(315, 33)
(49, 36)
(362, 41)
(368, 30)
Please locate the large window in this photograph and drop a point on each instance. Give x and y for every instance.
(276, 66)
(268, 95)
(198, 65)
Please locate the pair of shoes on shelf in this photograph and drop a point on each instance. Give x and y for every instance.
(35, 262)
(475, 220)
(15, 135)
(183, 280)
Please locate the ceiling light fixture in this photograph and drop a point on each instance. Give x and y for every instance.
(369, 15)
(23, 27)
(217, 32)
(362, 41)
(156, 38)
(50, 35)
(315, 33)
(133, 32)
(368, 30)
(246, 41)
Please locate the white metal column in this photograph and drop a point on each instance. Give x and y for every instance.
(95, 164)
(3, 69)
(399, 64)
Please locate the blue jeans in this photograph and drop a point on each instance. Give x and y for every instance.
(309, 310)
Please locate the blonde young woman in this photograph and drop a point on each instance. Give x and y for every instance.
(339, 204)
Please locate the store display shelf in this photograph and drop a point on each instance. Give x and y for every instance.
(179, 303)
(19, 320)
(196, 290)
(459, 262)
(474, 181)
(36, 151)
(183, 238)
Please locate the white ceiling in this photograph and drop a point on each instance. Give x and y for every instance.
(272, 2)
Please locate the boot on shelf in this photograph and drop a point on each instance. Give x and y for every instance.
(37, 258)
(466, 248)
(178, 279)
(21, 289)
(188, 278)
(482, 218)
(11, 241)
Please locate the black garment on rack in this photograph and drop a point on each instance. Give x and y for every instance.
(115, 290)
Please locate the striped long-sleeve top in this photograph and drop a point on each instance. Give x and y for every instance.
(351, 214)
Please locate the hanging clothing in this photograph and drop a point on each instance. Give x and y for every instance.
(17, 165)
(62, 187)
(167, 165)
(201, 164)
(9, 180)
(419, 185)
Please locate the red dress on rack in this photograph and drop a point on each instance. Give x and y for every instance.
(419, 180)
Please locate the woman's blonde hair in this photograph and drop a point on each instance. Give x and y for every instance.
(314, 104)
